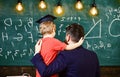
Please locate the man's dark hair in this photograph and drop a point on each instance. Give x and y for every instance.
(76, 31)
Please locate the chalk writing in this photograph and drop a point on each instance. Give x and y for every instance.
(113, 14)
(98, 45)
(74, 18)
(8, 21)
(30, 22)
(60, 27)
(4, 36)
(19, 37)
(20, 22)
(19, 34)
(16, 53)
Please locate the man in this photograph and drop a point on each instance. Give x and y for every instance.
(78, 62)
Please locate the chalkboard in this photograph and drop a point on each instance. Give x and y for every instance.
(19, 32)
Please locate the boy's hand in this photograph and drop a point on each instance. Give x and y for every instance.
(81, 40)
(38, 46)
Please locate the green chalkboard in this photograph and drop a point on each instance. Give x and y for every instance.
(19, 32)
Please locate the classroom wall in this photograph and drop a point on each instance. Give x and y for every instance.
(109, 71)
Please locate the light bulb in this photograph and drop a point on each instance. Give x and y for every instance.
(42, 5)
(59, 10)
(93, 11)
(79, 5)
(19, 6)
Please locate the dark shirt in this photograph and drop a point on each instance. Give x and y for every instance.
(78, 62)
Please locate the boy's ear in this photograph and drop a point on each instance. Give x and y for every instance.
(53, 30)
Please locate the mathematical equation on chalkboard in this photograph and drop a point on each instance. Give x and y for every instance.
(20, 32)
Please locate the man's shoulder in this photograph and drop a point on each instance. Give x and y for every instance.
(79, 49)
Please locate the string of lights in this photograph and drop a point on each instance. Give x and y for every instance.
(58, 9)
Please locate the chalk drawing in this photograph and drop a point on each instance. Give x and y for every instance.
(111, 24)
(92, 28)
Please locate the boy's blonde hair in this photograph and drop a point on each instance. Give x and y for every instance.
(47, 27)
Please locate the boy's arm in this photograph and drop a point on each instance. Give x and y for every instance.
(75, 45)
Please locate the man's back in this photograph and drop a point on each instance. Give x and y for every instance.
(80, 63)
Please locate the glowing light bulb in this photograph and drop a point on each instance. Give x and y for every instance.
(59, 11)
(19, 6)
(79, 5)
(42, 5)
(93, 11)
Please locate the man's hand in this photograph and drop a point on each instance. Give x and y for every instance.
(38, 46)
